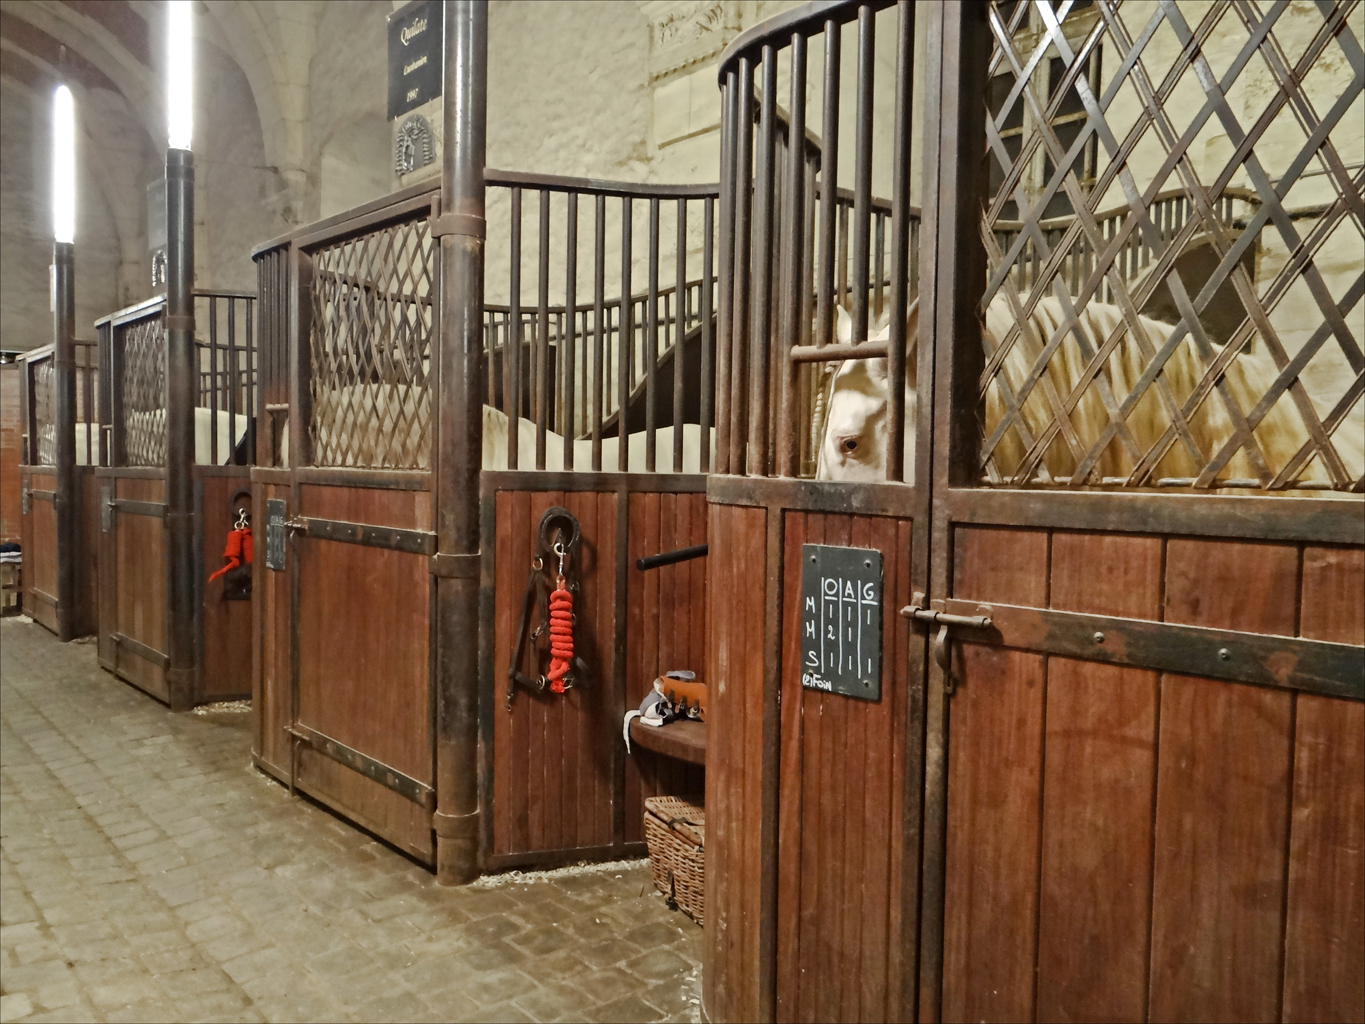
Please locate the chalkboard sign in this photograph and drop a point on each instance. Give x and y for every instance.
(274, 534)
(841, 620)
(416, 45)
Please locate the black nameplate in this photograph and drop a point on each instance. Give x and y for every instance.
(415, 52)
(841, 620)
(274, 534)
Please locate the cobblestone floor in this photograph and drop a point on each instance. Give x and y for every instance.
(149, 873)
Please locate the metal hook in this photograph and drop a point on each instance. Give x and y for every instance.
(243, 520)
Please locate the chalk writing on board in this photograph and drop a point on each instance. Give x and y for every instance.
(841, 620)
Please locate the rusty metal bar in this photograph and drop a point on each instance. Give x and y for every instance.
(829, 181)
(651, 338)
(568, 355)
(862, 169)
(64, 384)
(679, 332)
(459, 436)
(729, 99)
(756, 463)
(182, 583)
(792, 305)
(511, 350)
(542, 337)
(625, 340)
(213, 376)
(743, 184)
(708, 390)
(599, 276)
(897, 341)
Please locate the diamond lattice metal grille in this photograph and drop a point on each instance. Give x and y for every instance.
(371, 349)
(143, 387)
(45, 410)
(1174, 236)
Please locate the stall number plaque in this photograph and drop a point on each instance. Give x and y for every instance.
(274, 534)
(841, 620)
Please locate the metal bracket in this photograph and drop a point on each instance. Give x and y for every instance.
(935, 614)
(458, 224)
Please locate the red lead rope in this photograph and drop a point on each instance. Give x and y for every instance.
(561, 635)
(238, 550)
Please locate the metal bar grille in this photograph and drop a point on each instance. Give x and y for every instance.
(44, 406)
(370, 348)
(619, 378)
(140, 350)
(1174, 276)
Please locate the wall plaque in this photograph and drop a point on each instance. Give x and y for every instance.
(274, 534)
(415, 55)
(841, 620)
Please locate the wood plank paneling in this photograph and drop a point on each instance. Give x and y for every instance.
(665, 616)
(225, 673)
(1324, 971)
(1223, 789)
(270, 670)
(371, 696)
(11, 453)
(994, 790)
(1099, 785)
(841, 781)
(734, 760)
(552, 765)
(140, 584)
(88, 565)
(40, 557)
(367, 803)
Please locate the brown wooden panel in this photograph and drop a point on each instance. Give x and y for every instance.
(734, 760)
(40, 558)
(1324, 972)
(665, 629)
(1223, 789)
(270, 670)
(368, 804)
(994, 790)
(88, 554)
(1098, 791)
(842, 777)
(140, 584)
(404, 509)
(371, 696)
(552, 762)
(226, 670)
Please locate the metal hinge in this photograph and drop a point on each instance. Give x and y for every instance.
(935, 614)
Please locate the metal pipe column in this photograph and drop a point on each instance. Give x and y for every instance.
(65, 499)
(459, 435)
(182, 588)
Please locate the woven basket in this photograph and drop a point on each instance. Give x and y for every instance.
(675, 832)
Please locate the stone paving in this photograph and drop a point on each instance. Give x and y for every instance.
(149, 873)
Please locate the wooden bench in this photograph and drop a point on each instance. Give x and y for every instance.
(684, 739)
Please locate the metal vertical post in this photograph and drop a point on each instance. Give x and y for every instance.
(460, 442)
(182, 589)
(65, 498)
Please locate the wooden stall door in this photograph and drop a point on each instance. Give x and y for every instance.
(133, 612)
(40, 549)
(1128, 843)
(362, 723)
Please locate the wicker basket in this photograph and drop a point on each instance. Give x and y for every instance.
(675, 832)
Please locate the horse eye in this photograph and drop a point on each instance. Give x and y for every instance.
(850, 445)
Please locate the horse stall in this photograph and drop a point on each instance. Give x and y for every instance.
(608, 337)
(138, 618)
(44, 554)
(1040, 695)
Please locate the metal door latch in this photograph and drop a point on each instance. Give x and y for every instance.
(936, 615)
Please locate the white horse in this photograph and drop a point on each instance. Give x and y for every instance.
(855, 436)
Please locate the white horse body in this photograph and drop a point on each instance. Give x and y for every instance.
(855, 437)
